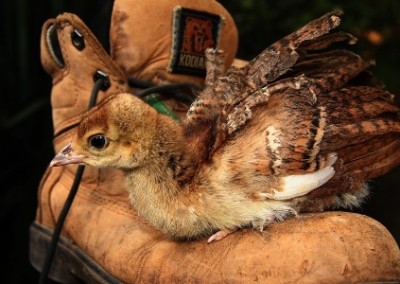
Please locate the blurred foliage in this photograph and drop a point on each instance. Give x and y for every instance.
(375, 23)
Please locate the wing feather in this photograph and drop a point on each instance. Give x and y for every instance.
(320, 102)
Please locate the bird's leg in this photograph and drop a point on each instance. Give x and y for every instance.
(220, 235)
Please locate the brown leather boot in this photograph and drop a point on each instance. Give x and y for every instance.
(104, 241)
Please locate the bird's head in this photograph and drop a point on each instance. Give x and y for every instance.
(118, 132)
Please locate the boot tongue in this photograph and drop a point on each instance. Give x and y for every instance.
(164, 41)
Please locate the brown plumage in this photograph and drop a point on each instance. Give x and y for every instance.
(299, 128)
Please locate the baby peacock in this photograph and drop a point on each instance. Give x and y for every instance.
(298, 129)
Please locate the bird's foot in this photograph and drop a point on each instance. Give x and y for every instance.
(220, 235)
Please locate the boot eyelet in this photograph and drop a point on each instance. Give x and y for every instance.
(78, 40)
(53, 45)
(105, 80)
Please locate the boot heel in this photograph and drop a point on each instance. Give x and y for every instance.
(70, 264)
(39, 242)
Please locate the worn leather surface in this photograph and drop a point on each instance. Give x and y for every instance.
(334, 247)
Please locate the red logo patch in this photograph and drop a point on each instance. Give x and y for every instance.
(197, 36)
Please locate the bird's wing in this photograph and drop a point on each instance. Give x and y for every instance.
(305, 100)
(292, 63)
(292, 141)
(224, 90)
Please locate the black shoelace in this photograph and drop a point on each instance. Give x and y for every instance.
(181, 92)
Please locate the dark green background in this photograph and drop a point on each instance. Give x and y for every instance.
(25, 117)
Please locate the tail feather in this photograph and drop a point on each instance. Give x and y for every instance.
(357, 164)
(377, 162)
(360, 111)
(351, 133)
(357, 94)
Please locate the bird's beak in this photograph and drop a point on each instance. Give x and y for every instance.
(66, 156)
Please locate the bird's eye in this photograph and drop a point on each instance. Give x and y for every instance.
(98, 141)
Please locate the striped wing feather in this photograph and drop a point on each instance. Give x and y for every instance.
(319, 101)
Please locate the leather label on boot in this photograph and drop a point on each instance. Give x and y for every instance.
(193, 32)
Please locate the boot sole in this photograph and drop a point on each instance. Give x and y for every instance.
(70, 264)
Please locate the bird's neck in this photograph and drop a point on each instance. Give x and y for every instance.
(157, 198)
(159, 189)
